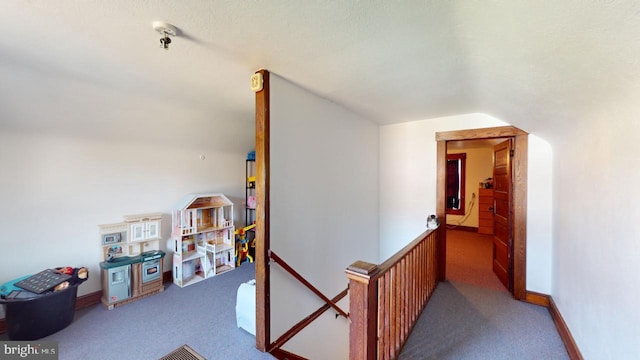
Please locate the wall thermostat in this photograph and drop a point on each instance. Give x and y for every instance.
(256, 82)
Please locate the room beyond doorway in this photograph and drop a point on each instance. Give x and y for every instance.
(469, 259)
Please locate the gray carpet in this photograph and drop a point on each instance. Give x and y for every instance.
(463, 321)
(201, 315)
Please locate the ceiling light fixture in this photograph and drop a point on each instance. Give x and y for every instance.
(165, 29)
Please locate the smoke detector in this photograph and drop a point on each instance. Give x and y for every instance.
(165, 29)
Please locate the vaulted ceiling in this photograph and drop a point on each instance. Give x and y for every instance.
(94, 68)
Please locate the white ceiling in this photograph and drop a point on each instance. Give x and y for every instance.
(95, 67)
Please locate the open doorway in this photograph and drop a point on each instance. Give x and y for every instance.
(470, 233)
(517, 210)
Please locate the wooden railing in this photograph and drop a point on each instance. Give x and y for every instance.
(275, 348)
(386, 300)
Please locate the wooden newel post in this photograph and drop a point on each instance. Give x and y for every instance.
(363, 310)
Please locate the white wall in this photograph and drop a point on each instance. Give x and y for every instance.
(55, 191)
(596, 252)
(408, 175)
(408, 188)
(539, 215)
(324, 211)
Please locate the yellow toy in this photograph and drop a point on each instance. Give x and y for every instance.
(242, 245)
(252, 181)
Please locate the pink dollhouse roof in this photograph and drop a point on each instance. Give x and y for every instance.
(204, 200)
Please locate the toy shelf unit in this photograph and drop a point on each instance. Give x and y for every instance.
(202, 238)
(247, 237)
(250, 194)
(133, 261)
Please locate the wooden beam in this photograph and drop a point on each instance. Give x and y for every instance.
(363, 309)
(285, 355)
(263, 283)
(486, 133)
(441, 174)
(519, 233)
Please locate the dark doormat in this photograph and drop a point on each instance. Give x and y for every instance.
(184, 352)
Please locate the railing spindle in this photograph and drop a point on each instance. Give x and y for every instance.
(386, 299)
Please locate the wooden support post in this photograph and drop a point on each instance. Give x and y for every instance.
(441, 185)
(263, 276)
(363, 313)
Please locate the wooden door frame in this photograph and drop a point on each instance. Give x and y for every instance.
(519, 208)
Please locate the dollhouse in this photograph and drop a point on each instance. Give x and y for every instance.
(202, 238)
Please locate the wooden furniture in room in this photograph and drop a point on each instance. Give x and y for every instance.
(485, 210)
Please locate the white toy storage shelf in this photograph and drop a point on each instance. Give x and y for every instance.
(137, 234)
(203, 241)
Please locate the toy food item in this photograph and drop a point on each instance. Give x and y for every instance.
(83, 273)
(61, 286)
(65, 270)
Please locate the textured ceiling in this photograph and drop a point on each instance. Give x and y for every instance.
(95, 67)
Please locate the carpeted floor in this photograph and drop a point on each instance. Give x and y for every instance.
(469, 259)
(471, 316)
(200, 315)
(463, 321)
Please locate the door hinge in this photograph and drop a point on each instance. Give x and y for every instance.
(512, 152)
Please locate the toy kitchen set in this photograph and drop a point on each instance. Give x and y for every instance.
(132, 266)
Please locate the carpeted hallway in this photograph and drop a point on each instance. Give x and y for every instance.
(472, 316)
